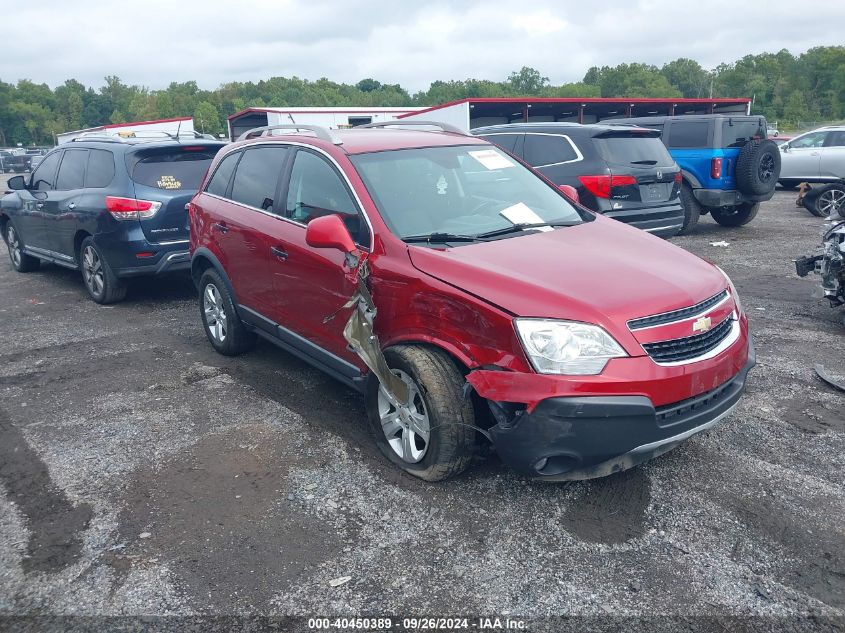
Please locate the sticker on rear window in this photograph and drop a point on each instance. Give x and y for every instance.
(491, 159)
(168, 182)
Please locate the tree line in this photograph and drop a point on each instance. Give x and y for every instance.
(784, 87)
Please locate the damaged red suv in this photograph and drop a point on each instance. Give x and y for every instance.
(466, 297)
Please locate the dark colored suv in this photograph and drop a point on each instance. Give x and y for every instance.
(623, 173)
(728, 164)
(466, 297)
(112, 208)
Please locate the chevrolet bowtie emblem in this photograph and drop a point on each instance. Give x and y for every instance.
(702, 325)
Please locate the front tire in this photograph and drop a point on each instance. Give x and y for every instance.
(826, 201)
(223, 327)
(102, 284)
(739, 215)
(692, 209)
(432, 437)
(21, 262)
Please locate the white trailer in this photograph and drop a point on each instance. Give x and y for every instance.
(335, 117)
(181, 125)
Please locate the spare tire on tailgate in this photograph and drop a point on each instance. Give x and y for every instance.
(758, 167)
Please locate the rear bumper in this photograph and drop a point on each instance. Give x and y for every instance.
(167, 262)
(664, 220)
(727, 198)
(583, 437)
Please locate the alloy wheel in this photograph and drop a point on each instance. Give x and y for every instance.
(14, 246)
(767, 168)
(831, 201)
(92, 270)
(406, 427)
(215, 313)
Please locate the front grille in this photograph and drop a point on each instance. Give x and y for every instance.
(689, 347)
(677, 315)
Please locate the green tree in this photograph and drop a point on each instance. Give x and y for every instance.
(527, 81)
(207, 118)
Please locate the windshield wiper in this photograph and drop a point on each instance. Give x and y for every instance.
(440, 238)
(525, 225)
(643, 162)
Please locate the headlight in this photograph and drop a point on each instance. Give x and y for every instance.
(734, 293)
(566, 347)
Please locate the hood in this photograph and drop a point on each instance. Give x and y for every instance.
(601, 272)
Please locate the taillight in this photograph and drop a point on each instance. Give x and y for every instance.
(601, 186)
(678, 178)
(130, 208)
(716, 168)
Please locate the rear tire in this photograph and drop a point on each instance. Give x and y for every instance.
(692, 209)
(102, 284)
(21, 262)
(438, 407)
(739, 215)
(223, 327)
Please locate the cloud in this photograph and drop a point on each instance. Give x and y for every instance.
(411, 43)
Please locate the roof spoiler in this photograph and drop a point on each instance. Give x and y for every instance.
(446, 127)
(319, 131)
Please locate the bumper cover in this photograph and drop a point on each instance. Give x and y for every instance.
(567, 438)
(168, 262)
(727, 198)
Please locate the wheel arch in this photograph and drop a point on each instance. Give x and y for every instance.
(202, 260)
(78, 238)
(463, 361)
(690, 179)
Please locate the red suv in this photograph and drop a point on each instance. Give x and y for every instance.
(466, 297)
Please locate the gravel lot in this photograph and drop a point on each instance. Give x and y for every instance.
(144, 474)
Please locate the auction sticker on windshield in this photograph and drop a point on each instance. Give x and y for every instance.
(491, 159)
(520, 213)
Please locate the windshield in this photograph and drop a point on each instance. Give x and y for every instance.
(465, 190)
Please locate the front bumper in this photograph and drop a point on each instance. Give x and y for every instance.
(729, 198)
(583, 437)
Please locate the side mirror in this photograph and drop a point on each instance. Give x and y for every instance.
(329, 231)
(570, 192)
(784, 147)
(16, 183)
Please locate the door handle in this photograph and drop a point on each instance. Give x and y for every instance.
(71, 206)
(39, 205)
(221, 226)
(278, 252)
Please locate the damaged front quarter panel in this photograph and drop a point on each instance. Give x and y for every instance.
(359, 333)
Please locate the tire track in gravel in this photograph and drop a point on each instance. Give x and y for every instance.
(55, 524)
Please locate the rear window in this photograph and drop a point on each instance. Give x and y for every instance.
(506, 141)
(176, 170)
(688, 134)
(633, 150)
(738, 133)
(100, 168)
(548, 149)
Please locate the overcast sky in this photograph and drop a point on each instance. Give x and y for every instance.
(153, 42)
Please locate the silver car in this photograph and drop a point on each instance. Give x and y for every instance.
(817, 156)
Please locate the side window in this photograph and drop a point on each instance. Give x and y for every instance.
(547, 150)
(100, 168)
(506, 141)
(257, 176)
(688, 134)
(835, 139)
(72, 170)
(219, 182)
(44, 178)
(814, 139)
(316, 190)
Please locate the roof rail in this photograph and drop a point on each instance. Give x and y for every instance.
(446, 127)
(319, 131)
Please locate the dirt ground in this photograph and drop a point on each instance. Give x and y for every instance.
(144, 474)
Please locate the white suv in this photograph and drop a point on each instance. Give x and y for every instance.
(817, 156)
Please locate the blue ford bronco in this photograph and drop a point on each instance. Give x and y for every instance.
(728, 165)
